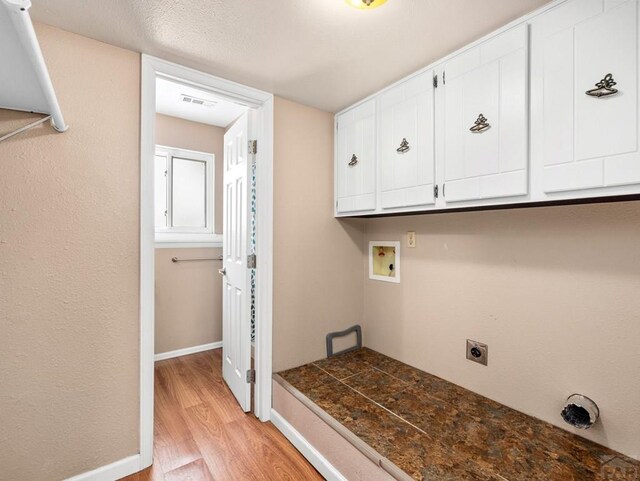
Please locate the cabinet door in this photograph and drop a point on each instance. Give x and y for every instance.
(485, 110)
(355, 159)
(406, 148)
(586, 136)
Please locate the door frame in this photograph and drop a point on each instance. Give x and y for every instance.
(153, 67)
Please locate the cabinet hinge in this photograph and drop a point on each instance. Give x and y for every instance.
(251, 376)
(435, 191)
(253, 147)
(251, 261)
(435, 81)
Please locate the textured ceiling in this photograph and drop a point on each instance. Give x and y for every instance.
(321, 53)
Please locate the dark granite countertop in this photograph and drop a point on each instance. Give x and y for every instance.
(434, 430)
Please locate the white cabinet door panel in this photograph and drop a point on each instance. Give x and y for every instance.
(558, 98)
(491, 187)
(489, 80)
(607, 44)
(480, 95)
(574, 176)
(505, 184)
(355, 162)
(586, 142)
(622, 169)
(405, 112)
(513, 113)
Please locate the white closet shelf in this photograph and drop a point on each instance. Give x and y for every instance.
(25, 84)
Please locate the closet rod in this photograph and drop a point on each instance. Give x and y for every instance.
(26, 127)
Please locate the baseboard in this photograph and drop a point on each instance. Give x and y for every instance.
(187, 350)
(111, 472)
(317, 460)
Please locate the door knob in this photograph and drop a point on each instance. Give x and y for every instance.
(223, 271)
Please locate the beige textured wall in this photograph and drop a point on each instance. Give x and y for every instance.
(553, 291)
(188, 306)
(188, 299)
(317, 271)
(184, 134)
(69, 319)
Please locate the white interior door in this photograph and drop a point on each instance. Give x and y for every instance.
(236, 296)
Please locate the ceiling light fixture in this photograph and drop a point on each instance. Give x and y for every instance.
(365, 4)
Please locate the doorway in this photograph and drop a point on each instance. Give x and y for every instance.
(186, 214)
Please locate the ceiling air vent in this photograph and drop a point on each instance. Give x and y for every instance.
(196, 101)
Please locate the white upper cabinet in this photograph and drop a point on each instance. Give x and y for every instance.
(485, 111)
(585, 96)
(545, 110)
(406, 143)
(355, 159)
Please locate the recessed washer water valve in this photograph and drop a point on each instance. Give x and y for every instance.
(580, 411)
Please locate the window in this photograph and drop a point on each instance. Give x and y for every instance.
(184, 184)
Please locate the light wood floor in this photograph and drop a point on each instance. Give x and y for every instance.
(202, 435)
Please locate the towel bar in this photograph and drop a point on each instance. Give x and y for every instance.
(175, 259)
